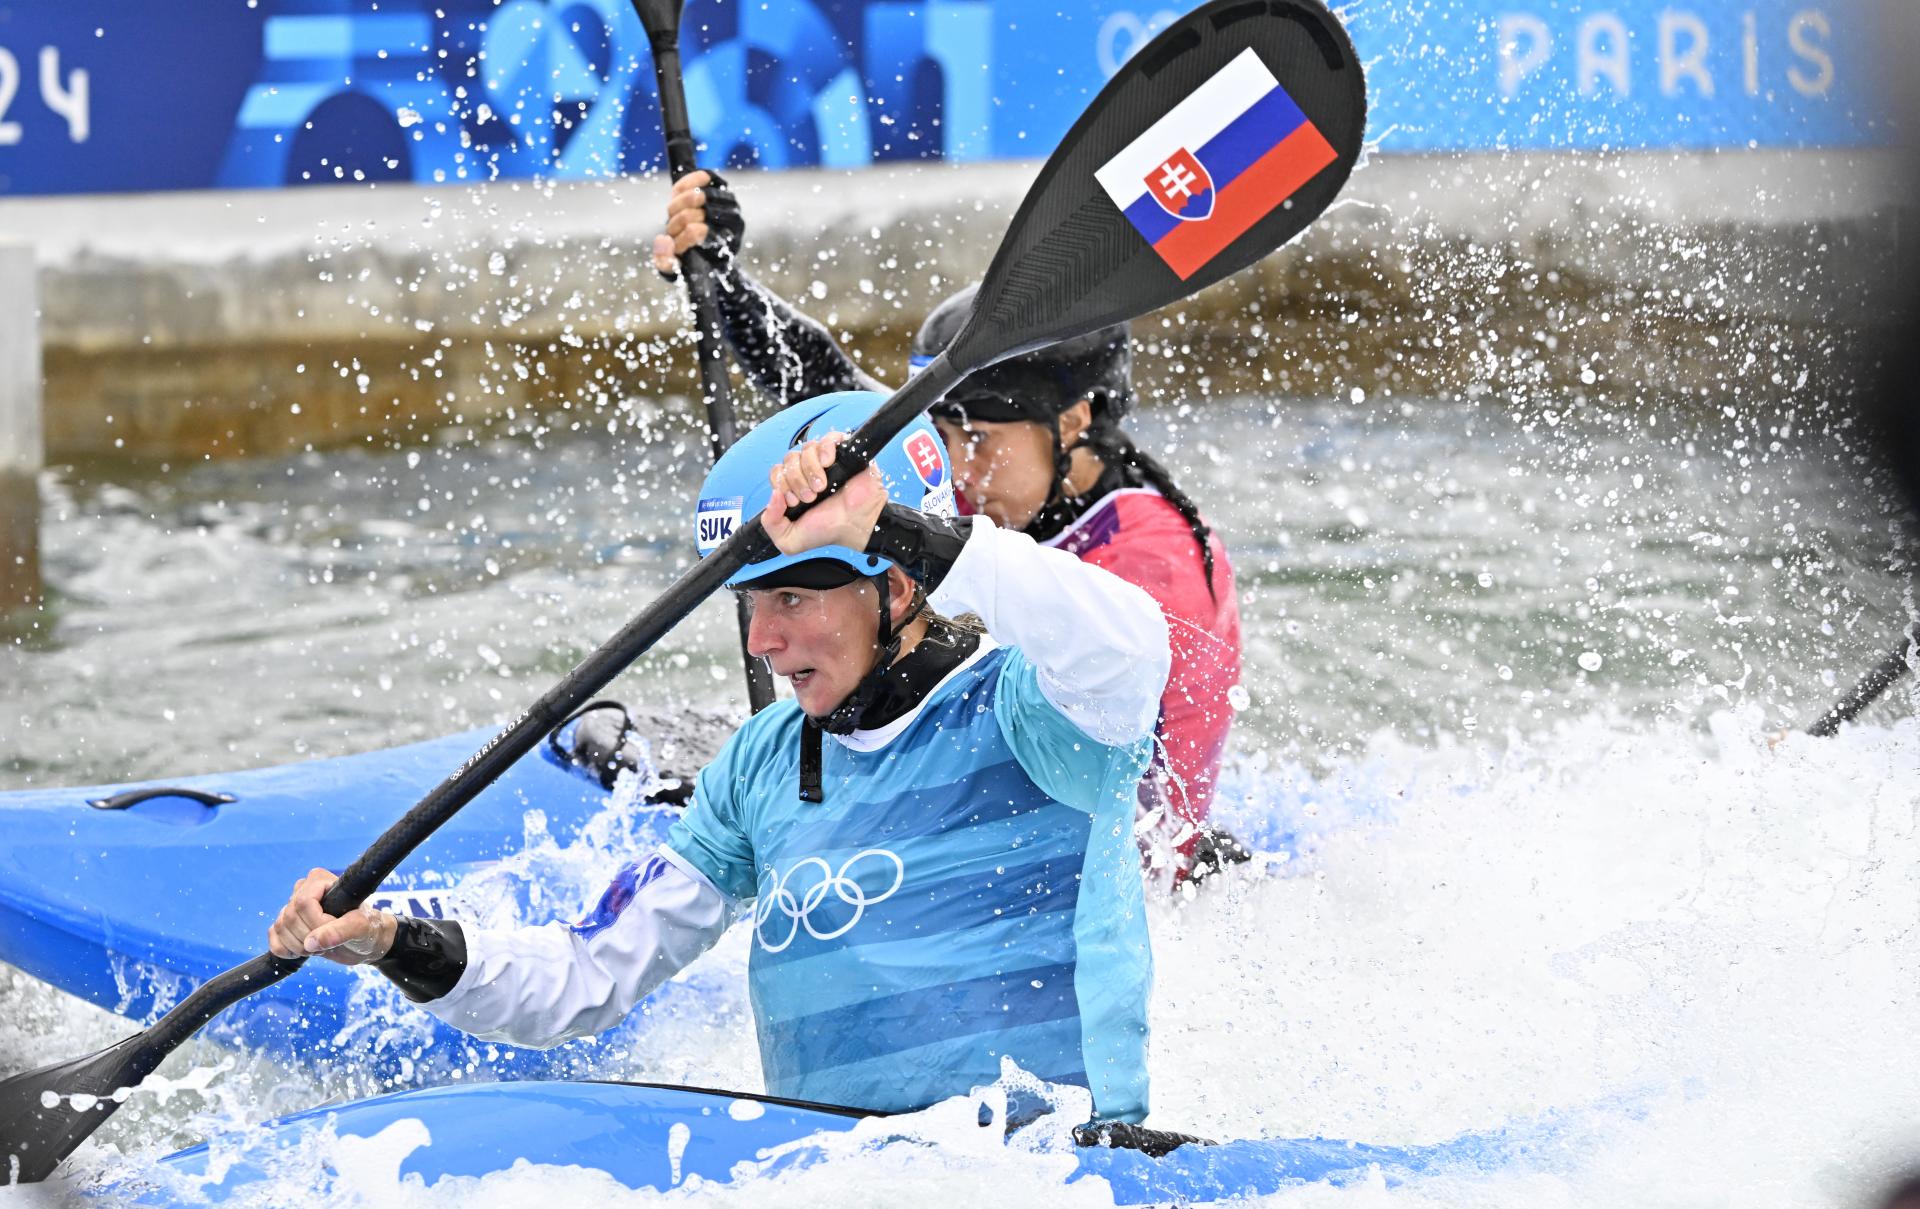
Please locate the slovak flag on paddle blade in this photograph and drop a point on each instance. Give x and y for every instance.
(1218, 162)
(1183, 187)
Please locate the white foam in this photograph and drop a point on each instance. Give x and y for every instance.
(1712, 941)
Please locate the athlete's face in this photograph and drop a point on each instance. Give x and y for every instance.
(822, 640)
(1005, 470)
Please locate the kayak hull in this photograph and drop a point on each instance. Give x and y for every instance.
(651, 1137)
(131, 908)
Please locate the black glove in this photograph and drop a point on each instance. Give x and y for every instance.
(926, 546)
(726, 225)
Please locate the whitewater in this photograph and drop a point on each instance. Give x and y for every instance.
(1534, 854)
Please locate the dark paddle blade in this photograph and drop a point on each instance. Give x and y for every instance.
(1071, 261)
(47, 1112)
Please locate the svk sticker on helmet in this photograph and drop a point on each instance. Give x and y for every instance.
(714, 521)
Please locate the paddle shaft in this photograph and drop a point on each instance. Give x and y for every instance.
(748, 543)
(1865, 693)
(662, 23)
(364, 876)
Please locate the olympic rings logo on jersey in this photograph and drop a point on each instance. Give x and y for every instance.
(779, 897)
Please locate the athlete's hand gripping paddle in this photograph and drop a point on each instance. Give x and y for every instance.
(662, 21)
(1215, 144)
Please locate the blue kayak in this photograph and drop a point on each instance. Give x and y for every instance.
(653, 1137)
(129, 896)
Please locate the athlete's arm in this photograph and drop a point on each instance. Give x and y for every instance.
(787, 354)
(529, 986)
(1098, 642)
(540, 986)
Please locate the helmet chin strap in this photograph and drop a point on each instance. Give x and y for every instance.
(1061, 490)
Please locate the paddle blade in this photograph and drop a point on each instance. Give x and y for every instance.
(42, 1122)
(46, 1113)
(1215, 144)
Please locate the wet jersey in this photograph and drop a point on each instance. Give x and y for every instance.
(977, 870)
(967, 890)
(1138, 535)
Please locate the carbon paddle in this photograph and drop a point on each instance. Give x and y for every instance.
(1877, 680)
(662, 21)
(1218, 142)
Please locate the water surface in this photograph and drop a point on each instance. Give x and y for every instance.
(1509, 680)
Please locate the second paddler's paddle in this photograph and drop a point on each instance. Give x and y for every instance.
(662, 21)
(1215, 144)
(1877, 680)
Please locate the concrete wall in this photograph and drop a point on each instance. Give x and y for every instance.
(241, 323)
(20, 437)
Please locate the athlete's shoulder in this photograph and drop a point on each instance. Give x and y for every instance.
(772, 731)
(1131, 518)
(1140, 536)
(1146, 515)
(952, 702)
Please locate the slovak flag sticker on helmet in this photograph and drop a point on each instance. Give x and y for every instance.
(714, 521)
(929, 462)
(1217, 163)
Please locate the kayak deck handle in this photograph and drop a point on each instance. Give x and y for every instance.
(133, 797)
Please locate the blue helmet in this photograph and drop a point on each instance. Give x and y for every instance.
(913, 466)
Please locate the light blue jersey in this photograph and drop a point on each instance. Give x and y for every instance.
(969, 890)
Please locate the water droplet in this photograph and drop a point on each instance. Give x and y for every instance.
(1590, 660)
(678, 1135)
(746, 1110)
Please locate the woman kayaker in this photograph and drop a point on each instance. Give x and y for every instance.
(931, 839)
(1037, 445)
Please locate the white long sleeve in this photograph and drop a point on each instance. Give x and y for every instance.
(1099, 643)
(540, 986)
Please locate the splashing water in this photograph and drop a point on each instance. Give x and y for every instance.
(1721, 932)
(1498, 882)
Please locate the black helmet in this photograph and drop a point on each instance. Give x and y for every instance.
(1033, 386)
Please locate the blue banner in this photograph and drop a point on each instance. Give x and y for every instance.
(135, 95)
